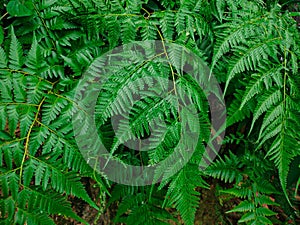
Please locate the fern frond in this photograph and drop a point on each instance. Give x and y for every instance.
(182, 192)
(15, 52)
(270, 98)
(128, 30)
(234, 35)
(261, 80)
(50, 203)
(249, 58)
(3, 58)
(227, 169)
(61, 181)
(167, 25)
(35, 62)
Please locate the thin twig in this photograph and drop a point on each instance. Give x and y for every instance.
(4, 16)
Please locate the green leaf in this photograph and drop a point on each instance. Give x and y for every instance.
(19, 8)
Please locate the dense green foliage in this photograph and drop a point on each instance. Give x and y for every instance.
(252, 47)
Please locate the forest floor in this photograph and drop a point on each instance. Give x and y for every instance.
(211, 210)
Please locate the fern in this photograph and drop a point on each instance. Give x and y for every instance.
(248, 185)
(140, 202)
(249, 63)
(182, 192)
(37, 174)
(47, 48)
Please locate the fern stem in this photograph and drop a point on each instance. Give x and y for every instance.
(66, 141)
(10, 171)
(284, 78)
(170, 65)
(69, 100)
(149, 14)
(48, 128)
(28, 74)
(28, 137)
(49, 165)
(119, 14)
(15, 140)
(167, 56)
(18, 103)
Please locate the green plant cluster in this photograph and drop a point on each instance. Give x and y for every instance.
(252, 47)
